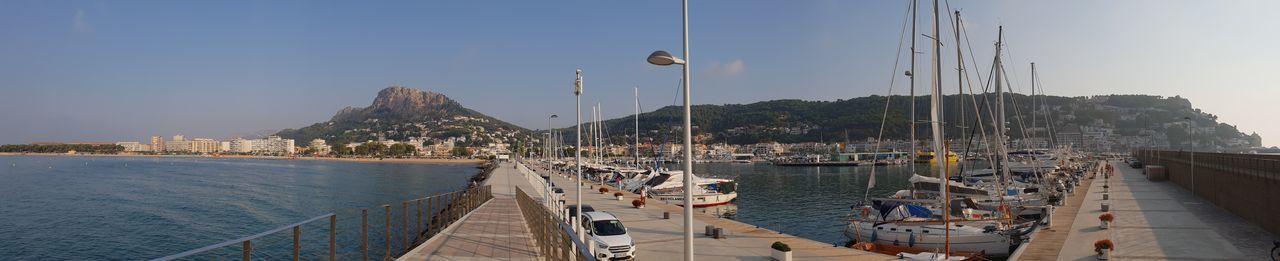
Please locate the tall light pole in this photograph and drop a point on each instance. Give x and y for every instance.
(662, 58)
(1191, 147)
(577, 151)
(550, 194)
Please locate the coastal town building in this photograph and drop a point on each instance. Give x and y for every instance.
(240, 146)
(272, 145)
(133, 146)
(319, 146)
(157, 144)
(205, 146)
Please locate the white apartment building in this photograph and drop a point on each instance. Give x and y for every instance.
(240, 146)
(319, 146)
(205, 146)
(273, 145)
(133, 146)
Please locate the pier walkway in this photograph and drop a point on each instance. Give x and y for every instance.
(495, 231)
(663, 239)
(1154, 221)
(1048, 241)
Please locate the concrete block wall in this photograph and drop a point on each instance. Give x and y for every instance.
(1247, 185)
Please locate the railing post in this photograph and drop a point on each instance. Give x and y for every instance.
(333, 237)
(297, 244)
(450, 203)
(387, 255)
(418, 224)
(247, 251)
(431, 221)
(404, 223)
(364, 234)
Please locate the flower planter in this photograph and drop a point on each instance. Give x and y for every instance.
(619, 198)
(780, 255)
(1104, 248)
(1106, 224)
(637, 203)
(780, 251)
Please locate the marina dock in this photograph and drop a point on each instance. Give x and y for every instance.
(662, 239)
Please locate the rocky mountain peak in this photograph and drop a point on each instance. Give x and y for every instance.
(404, 99)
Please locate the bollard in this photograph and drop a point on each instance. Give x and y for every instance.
(719, 233)
(710, 229)
(1048, 217)
(1106, 196)
(666, 215)
(1106, 207)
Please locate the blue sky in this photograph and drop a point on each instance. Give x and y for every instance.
(125, 70)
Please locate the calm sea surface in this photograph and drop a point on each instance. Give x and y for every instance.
(810, 202)
(123, 208)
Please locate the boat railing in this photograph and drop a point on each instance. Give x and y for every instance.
(387, 235)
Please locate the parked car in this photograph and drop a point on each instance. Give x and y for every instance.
(609, 236)
(573, 209)
(1135, 164)
(559, 193)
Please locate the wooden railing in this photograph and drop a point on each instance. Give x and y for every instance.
(403, 228)
(556, 240)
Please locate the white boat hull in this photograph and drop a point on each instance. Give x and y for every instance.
(961, 240)
(699, 200)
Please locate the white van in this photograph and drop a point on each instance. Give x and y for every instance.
(608, 236)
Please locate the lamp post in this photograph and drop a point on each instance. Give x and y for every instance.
(662, 58)
(577, 151)
(1191, 147)
(550, 194)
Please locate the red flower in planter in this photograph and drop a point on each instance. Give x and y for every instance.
(604, 190)
(637, 203)
(1106, 217)
(1103, 244)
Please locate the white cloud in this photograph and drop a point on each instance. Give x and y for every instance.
(726, 69)
(77, 22)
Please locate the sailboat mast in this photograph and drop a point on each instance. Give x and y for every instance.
(1034, 108)
(959, 80)
(939, 146)
(600, 132)
(912, 75)
(1000, 120)
(637, 148)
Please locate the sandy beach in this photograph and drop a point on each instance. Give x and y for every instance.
(364, 160)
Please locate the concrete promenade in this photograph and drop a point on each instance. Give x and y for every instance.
(1158, 221)
(495, 231)
(663, 239)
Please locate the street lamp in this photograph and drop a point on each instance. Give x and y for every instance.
(663, 58)
(1192, 148)
(577, 150)
(550, 195)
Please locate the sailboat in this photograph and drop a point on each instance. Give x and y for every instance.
(913, 228)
